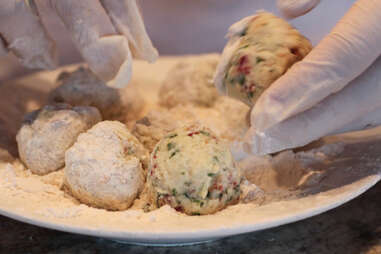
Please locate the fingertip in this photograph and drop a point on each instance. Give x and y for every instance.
(294, 8)
(123, 76)
(127, 19)
(111, 60)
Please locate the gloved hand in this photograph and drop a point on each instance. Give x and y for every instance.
(104, 31)
(326, 93)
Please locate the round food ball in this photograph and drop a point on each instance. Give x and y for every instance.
(261, 49)
(104, 168)
(190, 82)
(194, 172)
(47, 133)
(83, 88)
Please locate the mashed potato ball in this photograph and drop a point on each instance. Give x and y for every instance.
(262, 48)
(190, 82)
(104, 168)
(47, 133)
(82, 88)
(194, 172)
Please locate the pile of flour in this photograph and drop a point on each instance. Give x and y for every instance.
(286, 176)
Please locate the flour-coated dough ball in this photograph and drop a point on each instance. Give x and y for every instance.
(194, 172)
(104, 168)
(190, 82)
(83, 88)
(226, 118)
(47, 133)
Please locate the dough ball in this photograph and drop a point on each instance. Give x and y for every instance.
(194, 172)
(226, 118)
(267, 47)
(153, 127)
(83, 88)
(47, 133)
(104, 168)
(190, 81)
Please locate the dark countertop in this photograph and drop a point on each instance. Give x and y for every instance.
(354, 228)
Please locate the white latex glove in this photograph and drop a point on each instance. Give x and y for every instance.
(104, 31)
(321, 95)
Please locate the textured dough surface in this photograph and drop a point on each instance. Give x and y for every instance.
(47, 133)
(190, 82)
(83, 88)
(265, 48)
(104, 168)
(194, 172)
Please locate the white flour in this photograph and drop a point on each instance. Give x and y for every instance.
(286, 176)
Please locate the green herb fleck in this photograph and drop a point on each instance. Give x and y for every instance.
(174, 192)
(259, 59)
(250, 94)
(194, 200)
(241, 79)
(195, 213)
(172, 135)
(156, 150)
(211, 174)
(205, 133)
(188, 183)
(174, 153)
(201, 204)
(130, 151)
(183, 173)
(244, 46)
(215, 158)
(170, 145)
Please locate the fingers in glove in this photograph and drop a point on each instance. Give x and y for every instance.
(126, 17)
(295, 8)
(344, 54)
(106, 52)
(352, 109)
(23, 33)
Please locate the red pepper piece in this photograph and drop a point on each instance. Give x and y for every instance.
(179, 208)
(242, 65)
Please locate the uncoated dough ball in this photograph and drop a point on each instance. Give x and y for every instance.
(83, 88)
(194, 172)
(104, 167)
(267, 47)
(190, 81)
(47, 133)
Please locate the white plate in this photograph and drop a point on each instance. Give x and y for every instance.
(201, 228)
(164, 226)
